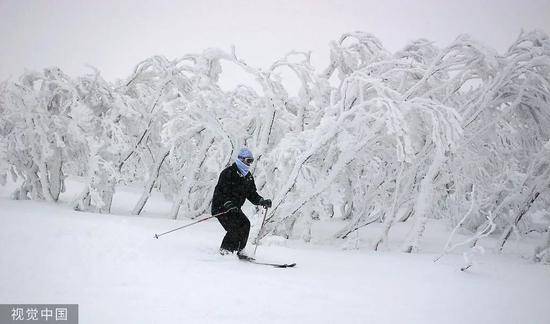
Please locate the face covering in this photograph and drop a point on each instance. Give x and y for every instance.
(243, 168)
(244, 153)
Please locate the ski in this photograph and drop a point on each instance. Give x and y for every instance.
(276, 265)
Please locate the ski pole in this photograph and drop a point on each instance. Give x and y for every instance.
(260, 232)
(200, 220)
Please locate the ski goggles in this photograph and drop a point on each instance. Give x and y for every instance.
(247, 161)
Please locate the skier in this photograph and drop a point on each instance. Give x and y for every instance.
(236, 184)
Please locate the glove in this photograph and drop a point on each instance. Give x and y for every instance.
(265, 203)
(228, 205)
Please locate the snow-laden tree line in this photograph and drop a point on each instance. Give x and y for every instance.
(460, 133)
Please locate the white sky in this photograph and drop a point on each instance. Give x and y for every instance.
(116, 35)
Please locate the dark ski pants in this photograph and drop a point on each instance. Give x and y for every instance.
(237, 226)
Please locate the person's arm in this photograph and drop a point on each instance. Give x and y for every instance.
(253, 195)
(255, 198)
(222, 191)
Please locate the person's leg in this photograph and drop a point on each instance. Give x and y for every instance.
(230, 223)
(243, 230)
(238, 228)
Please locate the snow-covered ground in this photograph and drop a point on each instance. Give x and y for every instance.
(118, 273)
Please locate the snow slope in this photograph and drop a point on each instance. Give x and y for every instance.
(118, 273)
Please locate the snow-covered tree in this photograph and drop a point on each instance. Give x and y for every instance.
(458, 133)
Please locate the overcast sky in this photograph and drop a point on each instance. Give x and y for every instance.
(115, 35)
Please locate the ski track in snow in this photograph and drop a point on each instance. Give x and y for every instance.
(118, 273)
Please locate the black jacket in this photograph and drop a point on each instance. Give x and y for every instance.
(233, 186)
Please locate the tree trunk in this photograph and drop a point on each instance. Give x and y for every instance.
(527, 205)
(149, 185)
